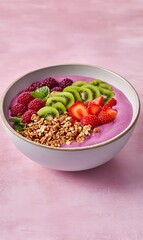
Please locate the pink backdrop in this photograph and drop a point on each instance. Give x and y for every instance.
(105, 203)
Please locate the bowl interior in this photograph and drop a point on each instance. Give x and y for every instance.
(63, 70)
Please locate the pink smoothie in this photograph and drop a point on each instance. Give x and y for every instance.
(109, 130)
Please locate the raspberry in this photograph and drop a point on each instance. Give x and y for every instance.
(25, 98)
(50, 82)
(66, 82)
(36, 104)
(18, 109)
(56, 89)
(26, 117)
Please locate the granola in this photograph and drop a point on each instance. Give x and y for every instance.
(55, 132)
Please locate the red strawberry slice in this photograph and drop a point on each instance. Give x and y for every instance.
(86, 104)
(112, 102)
(91, 120)
(78, 110)
(99, 101)
(112, 112)
(94, 108)
(107, 115)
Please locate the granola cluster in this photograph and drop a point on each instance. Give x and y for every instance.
(56, 131)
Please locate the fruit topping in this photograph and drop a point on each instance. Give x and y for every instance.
(112, 102)
(36, 85)
(67, 96)
(85, 93)
(54, 99)
(36, 104)
(25, 98)
(78, 110)
(26, 117)
(96, 82)
(56, 89)
(28, 89)
(60, 107)
(99, 101)
(66, 82)
(79, 83)
(107, 115)
(73, 91)
(93, 108)
(50, 82)
(18, 109)
(48, 112)
(95, 91)
(91, 120)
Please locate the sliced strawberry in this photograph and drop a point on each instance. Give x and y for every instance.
(99, 101)
(112, 112)
(94, 108)
(91, 120)
(112, 102)
(78, 110)
(86, 104)
(107, 115)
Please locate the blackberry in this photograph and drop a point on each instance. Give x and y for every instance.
(66, 82)
(31, 89)
(56, 89)
(28, 89)
(36, 85)
(50, 82)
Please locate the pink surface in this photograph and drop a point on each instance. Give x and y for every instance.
(105, 203)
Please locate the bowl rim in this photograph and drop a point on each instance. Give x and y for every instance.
(111, 140)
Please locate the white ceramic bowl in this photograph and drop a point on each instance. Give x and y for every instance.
(71, 159)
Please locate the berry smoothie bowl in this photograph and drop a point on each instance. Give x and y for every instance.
(70, 117)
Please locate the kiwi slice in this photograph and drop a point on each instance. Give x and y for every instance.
(107, 94)
(48, 112)
(111, 95)
(94, 89)
(105, 86)
(66, 96)
(85, 93)
(79, 83)
(96, 82)
(54, 99)
(60, 107)
(75, 93)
